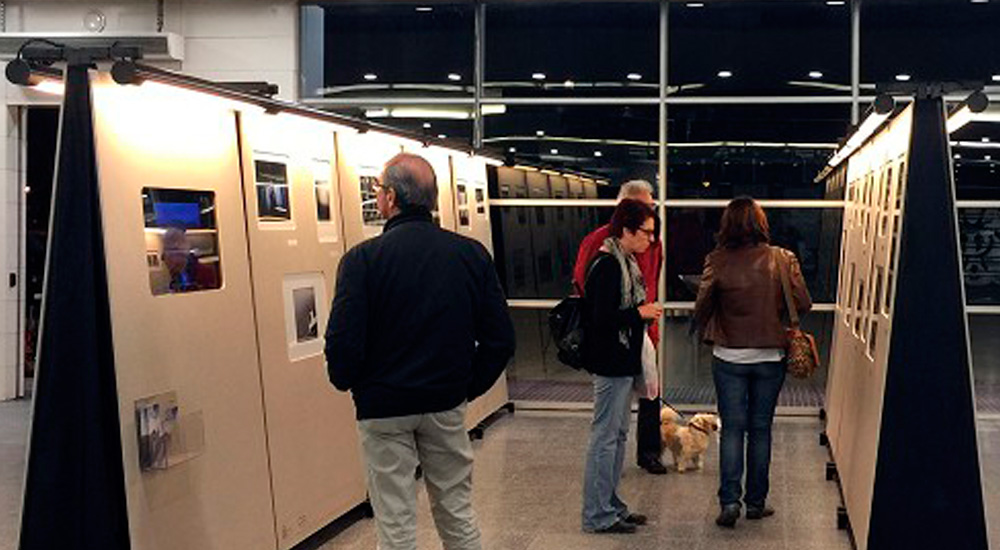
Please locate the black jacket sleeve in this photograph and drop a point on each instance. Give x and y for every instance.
(346, 330)
(494, 334)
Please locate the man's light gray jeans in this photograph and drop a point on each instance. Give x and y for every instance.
(439, 443)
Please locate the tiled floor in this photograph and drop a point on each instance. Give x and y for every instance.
(528, 483)
(527, 491)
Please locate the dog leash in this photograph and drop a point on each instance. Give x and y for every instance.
(671, 407)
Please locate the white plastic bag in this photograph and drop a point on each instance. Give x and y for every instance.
(647, 384)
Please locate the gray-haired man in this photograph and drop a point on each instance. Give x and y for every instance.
(418, 327)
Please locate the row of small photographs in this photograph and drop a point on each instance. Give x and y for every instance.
(273, 204)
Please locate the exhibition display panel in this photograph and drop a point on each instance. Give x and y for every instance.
(900, 407)
(213, 230)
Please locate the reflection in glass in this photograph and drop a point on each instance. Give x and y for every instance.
(812, 234)
(980, 244)
(182, 247)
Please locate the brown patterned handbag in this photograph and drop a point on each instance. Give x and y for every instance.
(801, 355)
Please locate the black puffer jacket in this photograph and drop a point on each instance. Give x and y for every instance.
(419, 323)
(603, 353)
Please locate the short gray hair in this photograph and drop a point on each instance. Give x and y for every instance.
(413, 180)
(633, 188)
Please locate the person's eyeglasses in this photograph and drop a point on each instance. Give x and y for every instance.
(650, 233)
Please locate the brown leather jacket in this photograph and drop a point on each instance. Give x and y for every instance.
(740, 301)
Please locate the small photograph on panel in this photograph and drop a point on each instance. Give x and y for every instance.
(156, 419)
(272, 191)
(463, 198)
(463, 217)
(321, 183)
(369, 201)
(306, 321)
(480, 202)
(182, 245)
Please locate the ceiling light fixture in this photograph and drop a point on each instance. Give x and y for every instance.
(454, 76)
(427, 125)
(598, 154)
(903, 77)
(986, 139)
(512, 149)
(425, 9)
(996, 78)
(815, 74)
(554, 151)
(442, 136)
(835, 2)
(980, 1)
(695, 5)
(540, 133)
(538, 76)
(725, 74)
(569, 83)
(371, 76)
(634, 76)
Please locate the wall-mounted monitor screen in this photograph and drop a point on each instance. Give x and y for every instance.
(182, 244)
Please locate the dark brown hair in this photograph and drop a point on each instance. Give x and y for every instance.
(743, 223)
(629, 214)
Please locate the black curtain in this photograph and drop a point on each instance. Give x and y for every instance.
(75, 488)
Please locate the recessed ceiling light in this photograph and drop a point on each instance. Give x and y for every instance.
(815, 74)
(835, 2)
(957, 156)
(996, 78)
(725, 74)
(986, 139)
(538, 76)
(371, 76)
(554, 151)
(903, 77)
(442, 136)
(695, 5)
(512, 149)
(569, 83)
(454, 76)
(427, 125)
(980, 1)
(634, 76)
(424, 8)
(598, 154)
(540, 133)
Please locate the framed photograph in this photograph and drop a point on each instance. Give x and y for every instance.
(480, 202)
(272, 185)
(156, 422)
(325, 208)
(305, 314)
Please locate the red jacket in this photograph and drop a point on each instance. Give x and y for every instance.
(649, 262)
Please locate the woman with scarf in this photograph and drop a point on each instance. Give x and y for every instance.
(615, 317)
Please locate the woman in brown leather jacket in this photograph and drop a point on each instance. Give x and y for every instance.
(739, 312)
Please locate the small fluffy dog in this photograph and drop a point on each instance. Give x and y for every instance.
(687, 443)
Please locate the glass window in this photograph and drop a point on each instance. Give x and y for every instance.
(929, 40)
(766, 151)
(588, 48)
(394, 48)
(812, 234)
(536, 248)
(182, 244)
(976, 158)
(609, 142)
(980, 241)
(452, 123)
(759, 48)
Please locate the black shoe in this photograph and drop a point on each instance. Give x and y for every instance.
(618, 527)
(635, 519)
(759, 513)
(654, 467)
(728, 516)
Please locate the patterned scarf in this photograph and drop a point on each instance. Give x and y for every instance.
(633, 285)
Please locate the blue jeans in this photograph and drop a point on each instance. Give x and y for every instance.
(748, 395)
(602, 507)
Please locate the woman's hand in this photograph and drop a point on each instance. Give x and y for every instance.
(650, 312)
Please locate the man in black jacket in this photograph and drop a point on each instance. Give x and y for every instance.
(419, 326)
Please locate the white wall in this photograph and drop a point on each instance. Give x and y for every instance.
(224, 40)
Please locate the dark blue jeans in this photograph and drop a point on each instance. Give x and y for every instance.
(748, 395)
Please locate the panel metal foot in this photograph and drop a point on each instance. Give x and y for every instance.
(843, 521)
(823, 439)
(510, 407)
(822, 413)
(831, 471)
